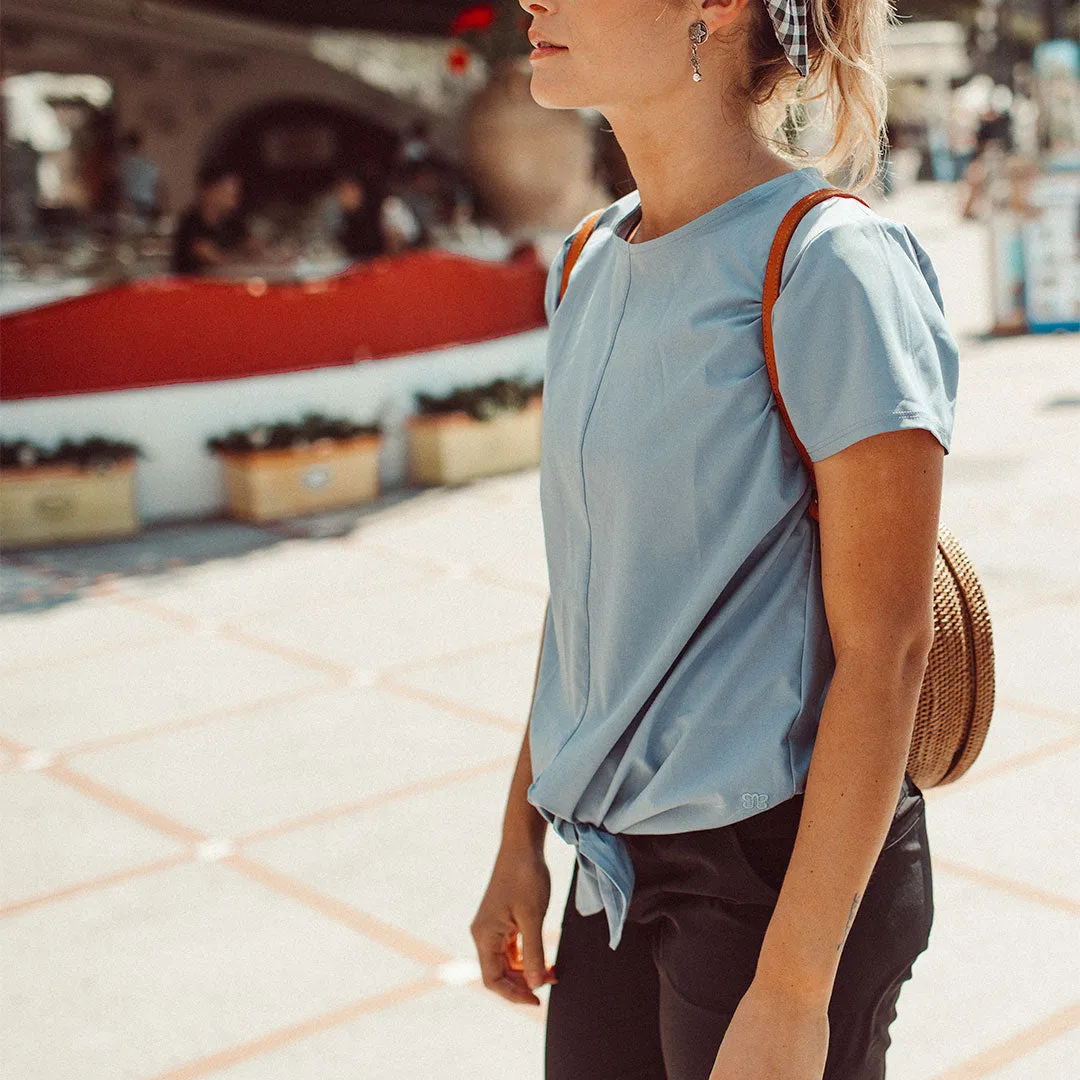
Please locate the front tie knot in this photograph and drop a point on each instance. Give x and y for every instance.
(605, 871)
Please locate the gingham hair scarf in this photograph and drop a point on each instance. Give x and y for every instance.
(789, 22)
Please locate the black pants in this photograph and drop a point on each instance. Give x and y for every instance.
(657, 1007)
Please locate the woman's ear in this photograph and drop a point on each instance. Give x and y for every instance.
(720, 14)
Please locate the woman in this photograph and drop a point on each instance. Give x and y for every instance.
(726, 687)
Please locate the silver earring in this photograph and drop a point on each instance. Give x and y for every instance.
(698, 33)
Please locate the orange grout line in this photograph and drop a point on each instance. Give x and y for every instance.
(412, 948)
(342, 671)
(298, 656)
(345, 592)
(1017, 1046)
(1008, 885)
(274, 1040)
(417, 787)
(101, 882)
(68, 656)
(977, 775)
(341, 674)
(12, 746)
(401, 942)
(480, 572)
(466, 711)
(236, 633)
(125, 804)
(463, 653)
(189, 623)
(155, 608)
(225, 712)
(1049, 711)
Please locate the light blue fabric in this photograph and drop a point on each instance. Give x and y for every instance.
(674, 506)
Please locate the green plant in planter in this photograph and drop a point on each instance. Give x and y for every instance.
(93, 452)
(484, 401)
(312, 427)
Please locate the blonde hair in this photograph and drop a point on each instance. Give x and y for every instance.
(846, 42)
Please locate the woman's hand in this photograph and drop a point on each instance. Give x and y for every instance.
(515, 903)
(776, 1035)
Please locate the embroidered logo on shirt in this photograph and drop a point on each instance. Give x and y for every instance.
(755, 800)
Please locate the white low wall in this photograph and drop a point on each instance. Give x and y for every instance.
(180, 479)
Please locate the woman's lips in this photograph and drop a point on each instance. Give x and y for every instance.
(546, 50)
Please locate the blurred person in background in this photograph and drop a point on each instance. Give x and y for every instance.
(140, 183)
(18, 185)
(735, 641)
(355, 217)
(993, 144)
(463, 233)
(212, 233)
(415, 146)
(401, 227)
(426, 189)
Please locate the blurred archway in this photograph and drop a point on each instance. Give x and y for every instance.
(288, 151)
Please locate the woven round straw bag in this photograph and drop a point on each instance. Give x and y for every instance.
(957, 696)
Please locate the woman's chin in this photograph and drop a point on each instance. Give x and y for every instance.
(551, 95)
(554, 98)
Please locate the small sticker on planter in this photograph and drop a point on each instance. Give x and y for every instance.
(318, 476)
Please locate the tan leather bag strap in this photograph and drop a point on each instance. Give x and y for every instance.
(773, 271)
(580, 237)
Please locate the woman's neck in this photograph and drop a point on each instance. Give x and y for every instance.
(686, 160)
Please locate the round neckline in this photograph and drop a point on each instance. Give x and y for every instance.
(632, 216)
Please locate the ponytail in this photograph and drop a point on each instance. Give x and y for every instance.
(846, 42)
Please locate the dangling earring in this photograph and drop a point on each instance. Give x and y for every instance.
(698, 33)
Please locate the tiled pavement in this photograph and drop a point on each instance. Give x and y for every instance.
(252, 778)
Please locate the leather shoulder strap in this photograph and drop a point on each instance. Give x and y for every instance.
(580, 237)
(773, 273)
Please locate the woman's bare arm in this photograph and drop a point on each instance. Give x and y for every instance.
(879, 504)
(523, 827)
(517, 896)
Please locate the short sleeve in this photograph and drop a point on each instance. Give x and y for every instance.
(862, 345)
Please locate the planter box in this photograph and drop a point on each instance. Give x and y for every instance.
(49, 504)
(265, 485)
(451, 448)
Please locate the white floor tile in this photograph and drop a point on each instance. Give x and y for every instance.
(146, 975)
(280, 763)
(407, 625)
(55, 837)
(141, 687)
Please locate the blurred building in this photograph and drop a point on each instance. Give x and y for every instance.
(201, 86)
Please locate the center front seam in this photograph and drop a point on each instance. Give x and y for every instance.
(585, 506)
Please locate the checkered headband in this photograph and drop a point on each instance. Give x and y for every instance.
(789, 22)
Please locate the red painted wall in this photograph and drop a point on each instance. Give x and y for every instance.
(179, 330)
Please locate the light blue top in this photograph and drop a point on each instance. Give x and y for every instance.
(675, 506)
